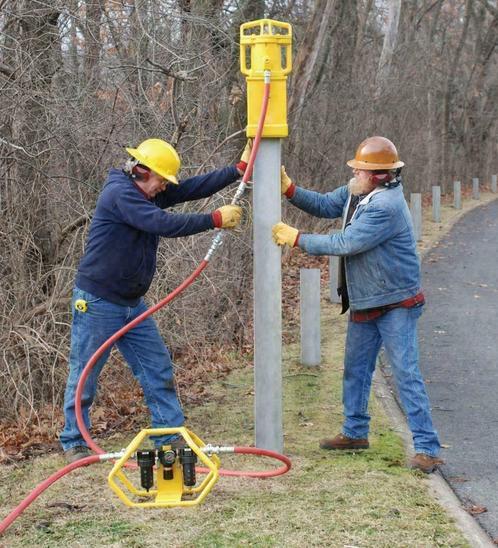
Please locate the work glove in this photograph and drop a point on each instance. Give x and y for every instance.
(244, 159)
(227, 216)
(285, 235)
(287, 187)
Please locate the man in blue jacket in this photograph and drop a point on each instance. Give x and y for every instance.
(379, 280)
(116, 271)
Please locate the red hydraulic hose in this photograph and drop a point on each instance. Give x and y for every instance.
(254, 451)
(110, 341)
(93, 360)
(44, 485)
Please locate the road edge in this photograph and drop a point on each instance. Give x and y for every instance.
(439, 488)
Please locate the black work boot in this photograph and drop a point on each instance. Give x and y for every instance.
(343, 442)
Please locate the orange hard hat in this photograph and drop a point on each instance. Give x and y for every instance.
(376, 153)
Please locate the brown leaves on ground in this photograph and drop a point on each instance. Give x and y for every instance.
(475, 509)
(119, 405)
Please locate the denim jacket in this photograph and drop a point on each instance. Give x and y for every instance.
(378, 244)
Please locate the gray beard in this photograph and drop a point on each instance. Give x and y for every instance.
(358, 189)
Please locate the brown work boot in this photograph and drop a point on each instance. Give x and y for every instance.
(425, 463)
(343, 442)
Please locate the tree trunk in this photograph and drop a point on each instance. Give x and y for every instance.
(92, 43)
(38, 57)
(304, 71)
(447, 98)
(388, 47)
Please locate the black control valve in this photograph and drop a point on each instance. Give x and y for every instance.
(146, 461)
(188, 460)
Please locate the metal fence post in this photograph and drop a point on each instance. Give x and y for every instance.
(457, 195)
(310, 315)
(436, 204)
(493, 183)
(475, 188)
(267, 299)
(416, 211)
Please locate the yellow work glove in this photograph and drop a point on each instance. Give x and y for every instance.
(244, 159)
(247, 152)
(285, 235)
(227, 216)
(287, 187)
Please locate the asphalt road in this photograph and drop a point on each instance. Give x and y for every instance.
(459, 357)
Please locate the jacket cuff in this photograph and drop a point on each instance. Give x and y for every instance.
(217, 219)
(289, 193)
(241, 166)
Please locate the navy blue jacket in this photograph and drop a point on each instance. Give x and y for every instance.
(120, 254)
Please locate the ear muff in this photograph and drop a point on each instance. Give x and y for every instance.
(141, 173)
(387, 179)
(381, 178)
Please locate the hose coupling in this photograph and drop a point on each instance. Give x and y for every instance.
(217, 449)
(112, 456)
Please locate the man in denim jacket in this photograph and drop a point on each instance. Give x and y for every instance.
(117, 269)
(379, 280)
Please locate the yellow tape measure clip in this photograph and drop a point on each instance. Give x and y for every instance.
(81, 305)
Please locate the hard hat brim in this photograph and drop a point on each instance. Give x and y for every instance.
(373, 167)
(143, 160)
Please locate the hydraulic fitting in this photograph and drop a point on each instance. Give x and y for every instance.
(266, 47)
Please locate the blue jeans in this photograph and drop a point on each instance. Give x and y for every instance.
(397, 331)
(144, 351)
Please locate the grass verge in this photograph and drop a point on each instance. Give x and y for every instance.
(328, 499)
(358, 499)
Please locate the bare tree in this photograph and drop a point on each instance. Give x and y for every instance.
(81, 79)
(389, 45)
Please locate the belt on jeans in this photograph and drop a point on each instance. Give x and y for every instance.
(373, 313)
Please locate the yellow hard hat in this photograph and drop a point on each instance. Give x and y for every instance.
(159, 156)
(376, 153)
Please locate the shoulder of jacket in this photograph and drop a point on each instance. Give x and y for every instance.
(384, 200)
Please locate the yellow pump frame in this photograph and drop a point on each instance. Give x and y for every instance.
(169, 493)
